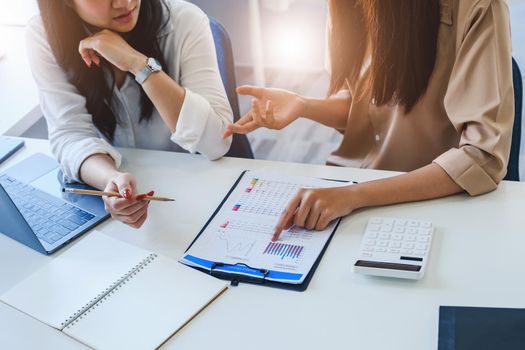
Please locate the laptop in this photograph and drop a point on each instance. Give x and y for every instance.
(35, 212)
(9, 146)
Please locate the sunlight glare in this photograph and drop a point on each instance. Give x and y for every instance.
(292, 47)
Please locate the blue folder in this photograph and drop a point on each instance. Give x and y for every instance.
(481, 328)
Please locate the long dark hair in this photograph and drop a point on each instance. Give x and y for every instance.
(403, 45)
(65, 29)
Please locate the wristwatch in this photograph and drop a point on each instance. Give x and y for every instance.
(152, 66)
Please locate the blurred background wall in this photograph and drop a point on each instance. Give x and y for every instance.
(277, 43)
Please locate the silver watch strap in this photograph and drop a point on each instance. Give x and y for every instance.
(143, 74)
(151, 66)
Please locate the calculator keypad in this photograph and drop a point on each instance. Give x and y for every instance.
(397, 237)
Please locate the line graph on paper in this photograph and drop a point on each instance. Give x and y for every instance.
(235, 244)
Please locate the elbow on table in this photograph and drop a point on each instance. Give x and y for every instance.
(476, 171)
(497, 168)
(490, 182)
(219, 151)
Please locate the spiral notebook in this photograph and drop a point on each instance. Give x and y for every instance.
(108, 294)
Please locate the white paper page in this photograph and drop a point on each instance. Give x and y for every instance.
(241, 232)
(68, 283)
(148, 308)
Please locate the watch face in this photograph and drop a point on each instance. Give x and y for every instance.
(154, 64)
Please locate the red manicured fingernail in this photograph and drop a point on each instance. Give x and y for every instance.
(143, 196)
(127, 194)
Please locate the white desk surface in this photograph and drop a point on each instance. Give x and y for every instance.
(477, 259)
(18, 92)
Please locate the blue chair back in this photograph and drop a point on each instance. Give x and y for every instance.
(513, 166)
(240, 147)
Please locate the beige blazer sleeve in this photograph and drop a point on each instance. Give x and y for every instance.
(480, 99)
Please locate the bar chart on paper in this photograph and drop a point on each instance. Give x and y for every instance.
(242, 238)
(284, 251)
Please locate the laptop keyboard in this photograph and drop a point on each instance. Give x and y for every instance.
(49, 217)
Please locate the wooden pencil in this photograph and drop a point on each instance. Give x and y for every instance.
(113, 194)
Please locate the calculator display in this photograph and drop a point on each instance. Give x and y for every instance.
(386, 265)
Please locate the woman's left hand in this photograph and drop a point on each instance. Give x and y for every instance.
(316, 208)
(114, 49)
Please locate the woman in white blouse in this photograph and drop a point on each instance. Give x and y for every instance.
(126, 73)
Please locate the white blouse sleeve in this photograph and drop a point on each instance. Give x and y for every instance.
(205, 111)
(72, 135)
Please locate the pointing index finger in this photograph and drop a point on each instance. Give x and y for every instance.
(254, 91)
(287, 216)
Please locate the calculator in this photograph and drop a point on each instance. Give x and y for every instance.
(394, 247)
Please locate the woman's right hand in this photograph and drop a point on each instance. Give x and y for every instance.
(271, 108)
(131, 208)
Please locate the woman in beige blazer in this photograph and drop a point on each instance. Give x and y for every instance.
(423, 87)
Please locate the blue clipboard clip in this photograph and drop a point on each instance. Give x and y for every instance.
(239, 272)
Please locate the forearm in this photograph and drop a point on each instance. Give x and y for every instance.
(332, 112)
(166, 95)
(97, 170)
(425, 183)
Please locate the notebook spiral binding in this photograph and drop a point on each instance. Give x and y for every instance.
(102, 296)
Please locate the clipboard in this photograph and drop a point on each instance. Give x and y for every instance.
(240, 272)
